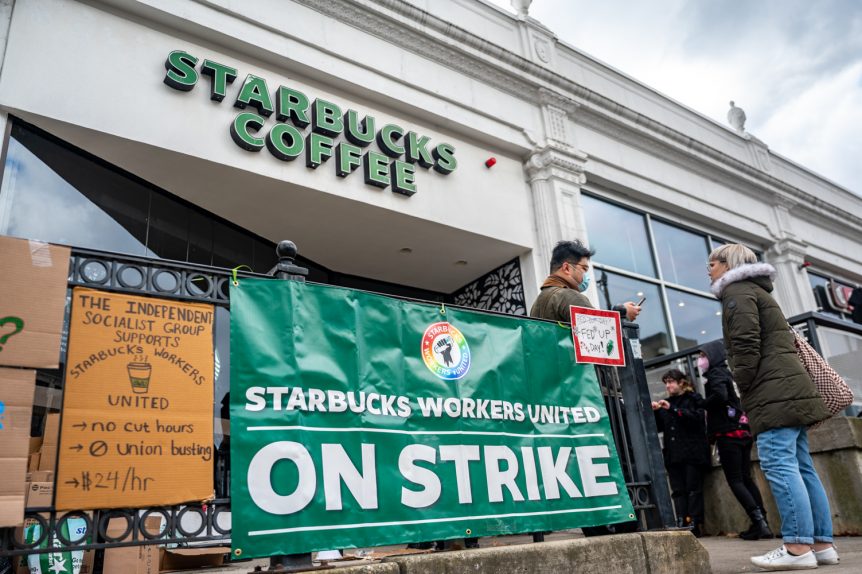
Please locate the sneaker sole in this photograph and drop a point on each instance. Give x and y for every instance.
(774, 567)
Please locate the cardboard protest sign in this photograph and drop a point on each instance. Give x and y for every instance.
(598, 336)
(16, 408)
(363, 420)
(137, 413)
(32, 301)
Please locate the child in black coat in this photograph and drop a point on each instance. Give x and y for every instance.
(686, 450)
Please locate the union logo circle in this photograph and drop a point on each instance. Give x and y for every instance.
(445, 351)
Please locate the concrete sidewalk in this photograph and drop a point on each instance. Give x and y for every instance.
(731, 555)
(726, 555)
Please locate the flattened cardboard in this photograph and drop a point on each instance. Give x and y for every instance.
(16, 395)
(137, 427)
(133, 559)
(88, 562)
(51, 434)
(42, 476)
(32, 302)
(48, 458)
(190, 558)
(40, 494)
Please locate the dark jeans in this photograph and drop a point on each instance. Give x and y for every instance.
(686, 482)
(735, 456)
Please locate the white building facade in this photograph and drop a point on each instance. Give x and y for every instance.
(439, 147)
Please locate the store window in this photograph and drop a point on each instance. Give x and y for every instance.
(654, 333)
(831, 295)
(681, 255)
(619, 236)
(696, 319)
(680, 312)
(100, 207)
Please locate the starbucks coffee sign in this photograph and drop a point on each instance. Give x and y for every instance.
(394, 165)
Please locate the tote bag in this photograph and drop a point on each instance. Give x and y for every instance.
(832, 388)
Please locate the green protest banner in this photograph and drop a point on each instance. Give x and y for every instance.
(363, 420)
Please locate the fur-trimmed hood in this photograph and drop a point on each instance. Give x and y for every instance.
(741, 273)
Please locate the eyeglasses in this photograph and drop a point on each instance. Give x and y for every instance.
(585, 269)
(713, 263)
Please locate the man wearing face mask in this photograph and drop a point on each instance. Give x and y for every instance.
(565, 286)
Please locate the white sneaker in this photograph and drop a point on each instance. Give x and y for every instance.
(781, 559)
(828, 556)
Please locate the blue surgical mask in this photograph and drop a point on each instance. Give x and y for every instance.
(585, 284)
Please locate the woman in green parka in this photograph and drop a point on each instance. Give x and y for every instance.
(781, 402)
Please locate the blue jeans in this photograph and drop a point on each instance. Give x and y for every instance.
(799, 495)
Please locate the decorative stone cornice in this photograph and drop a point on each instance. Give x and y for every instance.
(558, 161)
(551, 98)
(409, 27)
(526, 79)
(787, 249)
(432, 38)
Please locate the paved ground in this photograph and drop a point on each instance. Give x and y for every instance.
(726, 555)
(730, 555)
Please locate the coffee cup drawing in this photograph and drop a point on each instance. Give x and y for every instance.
(139, 376)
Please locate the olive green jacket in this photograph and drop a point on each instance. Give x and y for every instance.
(776, 390)
(554, 301)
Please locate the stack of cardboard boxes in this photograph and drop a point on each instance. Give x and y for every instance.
(32, 303)
(43, 458)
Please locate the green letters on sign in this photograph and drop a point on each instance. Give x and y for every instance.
(403, 178)
(363, 420)
(326, 118)
(375, 166)
(284, 142)
(241, 131)
(220, 75)
(347, 157)
(181, 74)
(386, 140)
(255, 93)
(393, 162)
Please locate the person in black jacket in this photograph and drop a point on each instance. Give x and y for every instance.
(686, 450)
(727, 425)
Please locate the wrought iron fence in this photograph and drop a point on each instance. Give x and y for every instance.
(625, 391)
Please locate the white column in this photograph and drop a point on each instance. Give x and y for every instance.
(556, 174)
(555, 171)
(787, 254)
(792, 288)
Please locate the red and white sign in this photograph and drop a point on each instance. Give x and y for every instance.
(598, 336)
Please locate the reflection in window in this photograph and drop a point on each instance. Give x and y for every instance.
(696, 320)
(653, 326)
(682, 255)
(843, 350)
(618, 235)
(100, 207)
(820, 286)
(41, 176)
